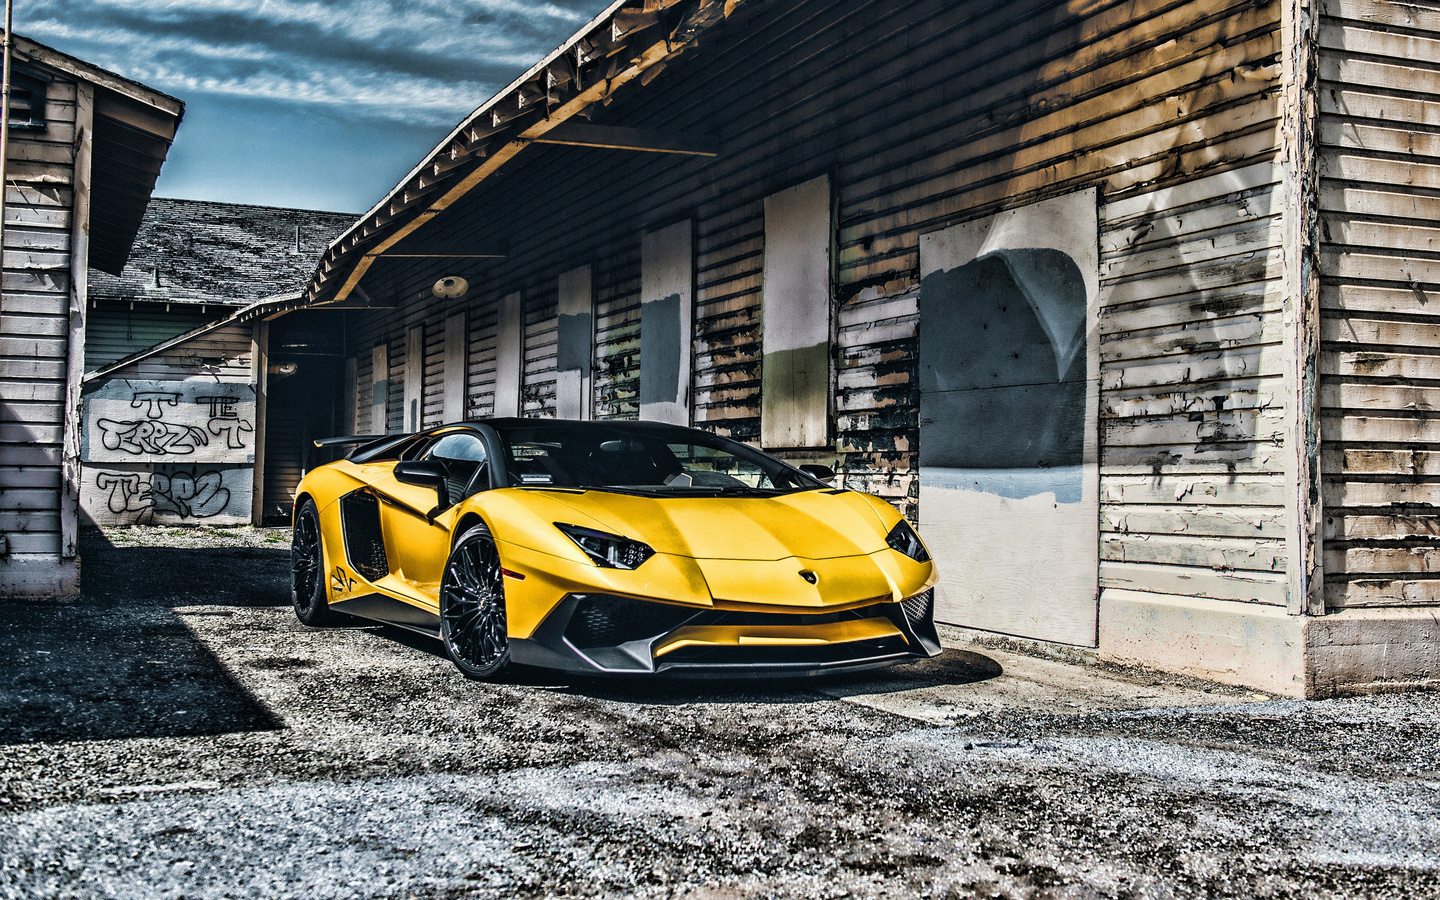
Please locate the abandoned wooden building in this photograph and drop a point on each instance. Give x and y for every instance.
(1129, 305)
(85, 149)
(180, 331)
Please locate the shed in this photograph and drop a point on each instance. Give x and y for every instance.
(85, 148)
(1128, 305)
(174, 419)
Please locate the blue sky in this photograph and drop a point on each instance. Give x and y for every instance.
(318, 104)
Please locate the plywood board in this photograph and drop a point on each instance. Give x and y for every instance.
(379, 389)
(795, 304)
(1009, 380)
(667, 312)
(575, 344)
(456, 364)
(508, 355)
(169, 421)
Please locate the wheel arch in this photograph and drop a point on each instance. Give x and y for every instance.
(300, 499)
(467, 521)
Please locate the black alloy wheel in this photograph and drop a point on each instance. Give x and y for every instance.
(472, 606)
(307, 570)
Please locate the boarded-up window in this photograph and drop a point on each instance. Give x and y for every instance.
(456, 364)
(379, 388)
(795, 310)
(508, 356)
(1009, 380)
(414, 377)
(667, 312)
(574, 344)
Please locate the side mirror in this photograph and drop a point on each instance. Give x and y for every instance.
(425, 473)
(821, 473)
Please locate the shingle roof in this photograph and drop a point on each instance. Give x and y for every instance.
(195, 251)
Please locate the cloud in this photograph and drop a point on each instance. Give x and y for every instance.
(409, 61)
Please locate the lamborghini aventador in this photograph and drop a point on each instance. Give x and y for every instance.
(609, 548)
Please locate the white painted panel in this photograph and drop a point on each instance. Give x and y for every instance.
(379, 389)
(574, 344)
(413, 410)
(456, 363)
(667, 323)
(508, 356)
(795, 310)
(1017, 547)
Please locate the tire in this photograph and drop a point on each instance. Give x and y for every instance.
(472, 607)
(307, 570)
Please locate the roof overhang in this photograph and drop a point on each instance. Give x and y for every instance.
(134, 126)
(631, 41)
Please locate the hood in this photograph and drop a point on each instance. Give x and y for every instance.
(810, 524)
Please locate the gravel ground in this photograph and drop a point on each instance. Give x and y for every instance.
(177, 733)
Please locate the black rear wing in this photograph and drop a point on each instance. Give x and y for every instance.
(349, 439)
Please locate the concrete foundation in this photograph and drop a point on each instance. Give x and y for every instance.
(1344, 653)
(1246, 644)
(38, 575)
(1366, 651)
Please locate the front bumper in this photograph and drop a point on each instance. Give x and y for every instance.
(603, 634)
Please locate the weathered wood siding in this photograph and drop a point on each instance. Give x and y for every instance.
(1192, 477)
(115, 331)
(1380, 296)
(223, 354)
(34, 333)
(923, 115)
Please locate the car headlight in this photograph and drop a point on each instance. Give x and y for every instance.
(904, 539)
(609, 551)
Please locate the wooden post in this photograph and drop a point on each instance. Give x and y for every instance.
(79, 301)
(259, 377)
(1300, 163)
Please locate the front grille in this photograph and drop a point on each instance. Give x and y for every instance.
(780, 655)
(364, 545)
(603, 620)
(920, 608)
(746, 618)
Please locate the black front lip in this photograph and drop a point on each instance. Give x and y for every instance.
(550, 648)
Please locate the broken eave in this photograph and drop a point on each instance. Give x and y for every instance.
(632, 40)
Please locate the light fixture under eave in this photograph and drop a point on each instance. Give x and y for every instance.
(450, 287)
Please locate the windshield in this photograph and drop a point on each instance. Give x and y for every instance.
(642, 458)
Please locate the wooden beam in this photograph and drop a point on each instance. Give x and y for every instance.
(443, 250)
(615, 137)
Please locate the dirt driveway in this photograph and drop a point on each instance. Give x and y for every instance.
(178, 734)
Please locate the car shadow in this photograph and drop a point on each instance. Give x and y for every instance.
(119, 662)
(951, 667)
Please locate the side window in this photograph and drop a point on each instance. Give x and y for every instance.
(464, 457)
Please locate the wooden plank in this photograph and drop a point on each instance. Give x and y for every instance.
(1196, 489)
(1379, 592)
(1247, 522)
(615, 137)
(1222, 554)
(1248, 587)
(1389, 494)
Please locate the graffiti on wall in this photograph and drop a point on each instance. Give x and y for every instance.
(160, 421)
(168, 494)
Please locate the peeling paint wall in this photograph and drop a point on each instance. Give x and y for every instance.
(1379, 97)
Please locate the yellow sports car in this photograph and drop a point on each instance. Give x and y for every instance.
(610, 548)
